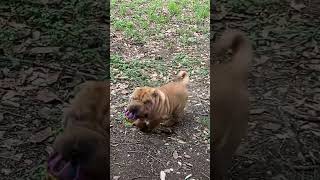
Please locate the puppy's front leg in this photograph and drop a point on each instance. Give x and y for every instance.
(141, 125)
(146, 125)
(152, 124)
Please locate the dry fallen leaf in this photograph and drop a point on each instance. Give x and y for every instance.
(297, 5)
(9, 95)
(17, 25)
(314, 67)
(27, 161)
(22, 47)
(52, 77)
(50, 1)
(49, 150)
(187, 177)
(272, 126)
(282, 136)
(175, 155)
(257, 111)
(181, 142)
(316, 133)
(47, 96)
(11, 155)
(162, 175)
(45, 112)
(11, 142)
(1, 134)
(279, 177)
(261, 60)
(222, 14)
(10, 103)
(35, 35)
(41, 135)
(44, 50)
(6, 171)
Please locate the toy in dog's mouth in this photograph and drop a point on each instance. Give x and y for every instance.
(61, 169)
(131, 116)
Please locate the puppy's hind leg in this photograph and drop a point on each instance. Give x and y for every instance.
(174, 119)
(169, 123)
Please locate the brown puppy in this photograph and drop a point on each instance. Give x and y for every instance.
(229, 104)
(151, 106)
(81, 151)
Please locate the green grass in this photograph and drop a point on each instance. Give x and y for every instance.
(174, 8)
(135, 71)
(205, 120)
(139, 72)
(173, 26)
(140, 18)
(193, 66)
(201, 11)
(121, 118)
(38, 172)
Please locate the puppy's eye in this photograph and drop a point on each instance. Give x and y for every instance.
(147, 101)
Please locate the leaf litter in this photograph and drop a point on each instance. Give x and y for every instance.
(283, 96)
(33, 71)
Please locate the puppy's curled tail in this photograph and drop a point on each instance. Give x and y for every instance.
(239, 44)
(182, 77)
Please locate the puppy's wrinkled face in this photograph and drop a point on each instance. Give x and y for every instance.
(78, 155)
(141, 102)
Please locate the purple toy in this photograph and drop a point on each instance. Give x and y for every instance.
(130, 115)
(63, 169)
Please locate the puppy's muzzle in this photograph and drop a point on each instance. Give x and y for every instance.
(136, 109)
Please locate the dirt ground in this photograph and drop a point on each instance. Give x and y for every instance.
(47, 48)
(284, 137)
(138, 155)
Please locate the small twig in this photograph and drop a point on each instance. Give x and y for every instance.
(205, 175)
(11, 126)
(303, 117)
(116, 144)
(139, 177)
(8, 112)
(304, 168)
(68, 69)
(119, 164)
(148, 155)
(255, 146)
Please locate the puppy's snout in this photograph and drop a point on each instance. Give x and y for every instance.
(134, 109)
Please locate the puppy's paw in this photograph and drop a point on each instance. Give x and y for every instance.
(141, 125)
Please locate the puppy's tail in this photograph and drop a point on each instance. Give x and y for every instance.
(182, 77)
(240, 46)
